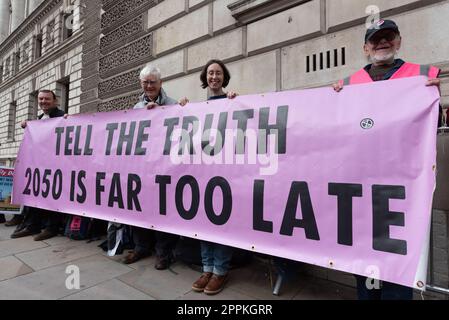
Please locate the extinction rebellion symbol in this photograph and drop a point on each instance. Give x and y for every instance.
(367, 123)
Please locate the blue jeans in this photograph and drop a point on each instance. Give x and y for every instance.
(215, 257)
(388, 291)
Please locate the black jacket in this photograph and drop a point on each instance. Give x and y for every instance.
(54, 113)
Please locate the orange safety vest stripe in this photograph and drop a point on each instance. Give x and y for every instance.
(406, 70)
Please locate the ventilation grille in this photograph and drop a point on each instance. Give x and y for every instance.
(326, 60)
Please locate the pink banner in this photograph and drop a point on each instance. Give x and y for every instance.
(340, 180)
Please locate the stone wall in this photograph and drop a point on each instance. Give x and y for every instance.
(312, 44)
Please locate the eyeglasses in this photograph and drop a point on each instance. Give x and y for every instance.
(389, 36)
(151, 83)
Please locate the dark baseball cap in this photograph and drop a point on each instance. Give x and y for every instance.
(381, 25)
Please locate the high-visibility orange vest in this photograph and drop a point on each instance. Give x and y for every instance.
(406, 70)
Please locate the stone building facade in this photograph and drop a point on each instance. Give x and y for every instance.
(42, 49)
(268, 45)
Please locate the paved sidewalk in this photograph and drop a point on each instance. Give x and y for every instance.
(37, 270)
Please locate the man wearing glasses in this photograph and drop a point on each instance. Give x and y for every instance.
(382, 43)
(154, 95)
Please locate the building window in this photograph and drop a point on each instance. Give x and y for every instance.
(7, 67)
(38, 46)
(50, 35)
(63, 90)
(16, 62)
(25, 53)
(12, 121)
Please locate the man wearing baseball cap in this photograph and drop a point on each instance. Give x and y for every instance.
(382, 43)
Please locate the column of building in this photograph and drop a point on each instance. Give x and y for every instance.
(4, 19)
(33, 4)
(12, 14)
(17, 13)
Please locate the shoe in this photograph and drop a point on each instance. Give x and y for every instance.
(201, 283)
(162, 263)
(134, 257)
(15, 221)
(215, 284)
(23, 233)
(44, 235)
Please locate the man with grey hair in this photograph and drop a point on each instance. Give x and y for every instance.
(382, 43)
(153, 96)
